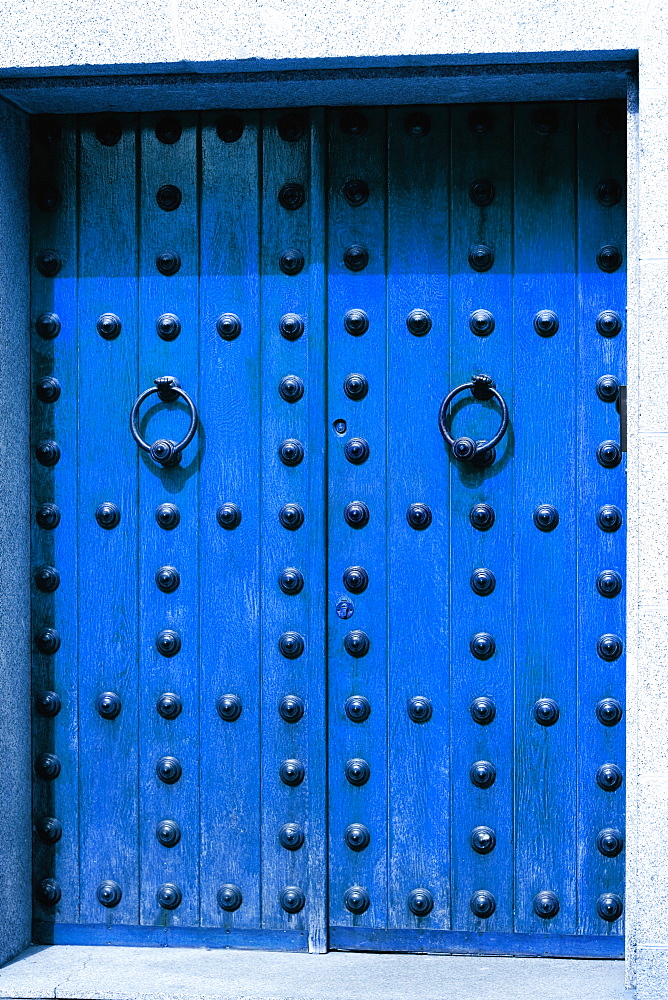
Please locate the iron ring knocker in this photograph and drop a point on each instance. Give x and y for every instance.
(464, 448)
(164, 452)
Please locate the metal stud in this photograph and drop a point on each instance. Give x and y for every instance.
(47, 197)
(356, 514)
(48, 325)
(357, 837)
(417, 123)
(418, 322)
(292, 127)
(168, 769)
(609, 712)
(609, 583)
(168, 642)
(356, 192)
(546, 517)
(47, 389)
(48, 516)
(229, 127)
(609, 454)
(291, 326)
(291, 261)
(228, 516)
(169, 896)
(291, 388)
(356, 450)
(291, 452)
(356, 579)
(356, 643)
(608, 323)
(229, 897)
(229, 707)
(482, 839)
(168, 131)
(291, 645)
(609, 647)
(546, 904)
(108, 515)
(169, 705)
(356, 322)
(292, 196)
(608, 192)
(291, 581)
(49, 829)
(47, 641)
(356, 257)
(483, 711)
(610, 842)
(109, 893)
(354, 123)
(228, 326)
(419, 516)
(167, 579)
(609, 118)
(609, 258)
(480, 122)
(419, 709)
(167, 515)
(482, 903)
(168, 263)
(481, 322)
(546, 323)
(291, 836)
(481, 192)
(49, 892)
(607, 388)
(546, 711)
(357, 708)
(609, 777)
(292, 899)
(483, 581)
(609, 906)
(47, 129)
(291, 708)
(482, 774)
(168, 832)
(108, 705)
(356, 900)
(168, 197)
(48, 263)
(420, 902)
(609, 517)
(48, 704)
(481, 257)
(545, 121)
(291, 516)
(168, 326)
(482, 645)
(291, 772)
(482, 516)
(355, 386)
(47, 766)
(47, 579)
(357, 771)
(108, 131)
(47, 453)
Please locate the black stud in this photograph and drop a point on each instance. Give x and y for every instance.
(609, 712)
(292, 196)
(546, 905)
(47, 130)
(481, 257)
(546, 711)
(609, 258)
(292, 899)
(291, 836)
(47, 766)
(610, 842)
(292, 127)
(108, 705)
(419, 516)
(357, 771)
(481, 192)
(482, 516)
(482, 774)
(47, 453)
(609, 454)
(417, 123)
(108, 131)
(609, 906)
(229, 127)
(49, 892)
(168, 131)
(291, 451)
(354, 123)
(480, 122)
(357, 837)
(609, 118)
(356, 900)
(356, 192)
(291, 261)
(418, 322)
(356, 643)
(167, 515)
(607, 388)
(167, 579)
(291, 388)
(609, 583)
(291, 326)
(355, 579)
(355, 386)
(47, 579)
(483, 581)
(48, 325)
(228, 516)
(481, 322)
(229, 897)
(49, 829)
(546, 323)
(169, 896)
(109, 326)
(291, 516)
(291, 645)
(169, 705)
(109, 893)
(47, 197)
(356, 514)
(168, 769)
(48, 263)
(546, 517)
(420, 902)
(356, 322)
(482, 839)
(545, 121)
(357, 708)
(168, 832)
(291, 581)
(356, 451)
(108, 515)
(291, 772)
(168, 197)
(291, 708)
(609, 647)
(609, 777)
(482, 645)
(229, 707)
(419, 709)
(48, 516)
(168, 326)
(608, 192)
(483, 711)
(48, 704)
(47, 641)
(168, 262)
(608, 323)
(482, 903)
(228, 326)
(168, 642)
(356, 257)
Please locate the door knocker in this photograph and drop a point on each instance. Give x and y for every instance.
(465, 449)
(164, 452)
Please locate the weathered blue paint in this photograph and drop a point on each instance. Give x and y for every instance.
(419, 611)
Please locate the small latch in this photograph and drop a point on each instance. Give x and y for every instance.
(621, 409)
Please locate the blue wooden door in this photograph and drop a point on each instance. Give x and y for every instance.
(313, 667)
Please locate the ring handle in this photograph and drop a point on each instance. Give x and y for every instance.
(164, 452)
(465, 449)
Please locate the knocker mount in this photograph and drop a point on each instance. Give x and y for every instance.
(164, 452)
(465, 449)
